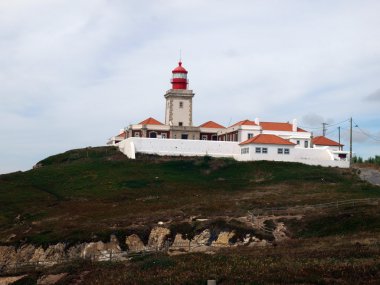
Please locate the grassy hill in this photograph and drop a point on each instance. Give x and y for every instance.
(86, 194)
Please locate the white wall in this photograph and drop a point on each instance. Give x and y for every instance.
(311, 156)
(179, 147)
(176, 147)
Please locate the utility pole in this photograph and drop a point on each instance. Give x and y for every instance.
(324, 128)
(339, 135)
(350, 140)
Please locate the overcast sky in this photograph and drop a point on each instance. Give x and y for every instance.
(73, 72)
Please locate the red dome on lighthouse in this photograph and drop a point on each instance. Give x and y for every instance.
(179, 80)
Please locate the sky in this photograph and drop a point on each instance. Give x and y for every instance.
(74, 72)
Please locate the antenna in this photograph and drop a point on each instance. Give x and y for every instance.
(180, 54)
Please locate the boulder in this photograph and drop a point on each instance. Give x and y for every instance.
(92, 250)
(180, 244)
(223, 239)
(134, 243)
(10, 279)
(200, 243)
(157, 238)
(7, 256)
(279, 232)
(100, 251)
(50, 279)
(202, 239)
(257, 242)
(75, 252)
(25, 253)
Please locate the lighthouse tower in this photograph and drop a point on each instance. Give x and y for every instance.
(179, 105)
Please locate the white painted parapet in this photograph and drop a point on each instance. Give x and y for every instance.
(177, 147)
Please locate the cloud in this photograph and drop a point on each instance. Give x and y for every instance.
(373, 97)
(73, 75)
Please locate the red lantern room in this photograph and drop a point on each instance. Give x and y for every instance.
(179, 80)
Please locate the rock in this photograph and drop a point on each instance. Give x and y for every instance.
(134, 243)
(10, 237)
(180, 244)
(158, 237)
(51, 279)
(10, 279)
(75, 251)
(200, 243)
(100, 251)
(92, 250)
(25, 253)
(279, 232)
(223, 239)
(7, 256)
(113, 245)
(257, 242)
(202, 239)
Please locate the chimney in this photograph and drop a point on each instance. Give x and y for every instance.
(257, 121)
(294, 127)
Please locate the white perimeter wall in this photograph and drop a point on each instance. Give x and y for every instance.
(177, 147)
(311, 156)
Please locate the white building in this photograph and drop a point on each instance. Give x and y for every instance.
(244, 140)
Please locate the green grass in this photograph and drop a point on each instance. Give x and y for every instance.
(83, 193)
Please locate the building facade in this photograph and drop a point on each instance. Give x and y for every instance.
(251, 139)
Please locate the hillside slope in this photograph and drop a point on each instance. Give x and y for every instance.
(87, 194)
(98, 189)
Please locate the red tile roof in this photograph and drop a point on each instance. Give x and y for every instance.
(211, 125)
(267, 139)
(123, 134)
(321, 140)
(272, 126)
(245, 123)
(150, 121)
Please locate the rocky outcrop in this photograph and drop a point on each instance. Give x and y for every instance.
(11, 257)
(223, 239)
(157, 238)
(134, 243)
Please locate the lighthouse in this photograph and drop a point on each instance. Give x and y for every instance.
(179, 104)
(179, 79)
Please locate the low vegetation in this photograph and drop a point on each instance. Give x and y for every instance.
(87, 194)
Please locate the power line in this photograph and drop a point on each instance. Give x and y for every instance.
(325, 125)
(367, 134)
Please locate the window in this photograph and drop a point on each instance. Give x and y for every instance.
(214, 137)
(153, 135)
(245, 150)
(265, 150)
(137, 135)
(306, 144)
(181, 104)
(258, 150)
(250, 135)
(184, 136)
(180, 124)
(163, 136)
(286, 151)
(298, 142)
(204, 137)
(280, 151)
